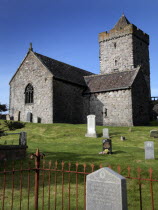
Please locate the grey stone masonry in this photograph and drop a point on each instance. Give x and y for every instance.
(106, 190)
(149, 150)
(33, 72)
(124, 48)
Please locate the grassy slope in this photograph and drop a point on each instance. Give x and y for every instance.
(68, 143)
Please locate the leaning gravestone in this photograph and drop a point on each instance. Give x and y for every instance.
(91, 126)
(154, 133)
(106, 133)
(23, 138)
(149, 150)
(106, 190)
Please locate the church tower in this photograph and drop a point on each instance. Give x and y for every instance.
(124, 48)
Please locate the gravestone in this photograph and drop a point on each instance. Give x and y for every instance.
(29, 117)
(107, 146)
(23, 138)
(149, 150)
(16, 116)
(106, 190)
(123, 138)
(7, 117)
(35, 119)
(106, 133)
(91, 126)
(154, 133)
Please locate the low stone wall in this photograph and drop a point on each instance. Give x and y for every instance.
(12, 152)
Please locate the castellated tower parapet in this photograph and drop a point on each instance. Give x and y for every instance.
(124, 48)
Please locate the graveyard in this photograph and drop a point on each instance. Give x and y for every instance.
(68, 143)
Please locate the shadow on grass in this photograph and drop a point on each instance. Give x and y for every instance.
(118, 152)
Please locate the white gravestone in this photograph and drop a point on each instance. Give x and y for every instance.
(149, 150)
(91, 126)
(106, 133)
(106, 190)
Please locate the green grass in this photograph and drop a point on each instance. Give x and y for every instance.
(67, 142)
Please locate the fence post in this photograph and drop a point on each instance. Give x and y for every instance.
(37, 165)
(38, 157)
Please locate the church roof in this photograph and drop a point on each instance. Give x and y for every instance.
(109, 82)
(123, 21)
(64, 71)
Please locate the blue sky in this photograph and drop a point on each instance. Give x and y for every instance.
(67, 30)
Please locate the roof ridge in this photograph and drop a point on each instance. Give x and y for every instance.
(97, 75)
(63, 63)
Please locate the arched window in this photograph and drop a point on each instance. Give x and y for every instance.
(29, 94)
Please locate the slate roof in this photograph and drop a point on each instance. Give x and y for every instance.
(64, 71)
(109, 82)
(123, 21)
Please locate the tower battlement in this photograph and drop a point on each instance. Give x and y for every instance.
(127, 30)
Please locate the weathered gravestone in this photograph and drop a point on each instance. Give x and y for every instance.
(23, 138)
(106, 133)
(7, 117)
(91, 126)
(154, 133)
(107, 146)
(149, 150)
(29, 117)
(106, 190)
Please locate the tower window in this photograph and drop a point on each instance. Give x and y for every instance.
(104, 112)
(115, 62)
(29, 94)
(115, 45)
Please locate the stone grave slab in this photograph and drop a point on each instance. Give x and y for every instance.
(106, 133)
(154, 133)
(23, 138)
(91, 126)
(106, 189)
(149, 150)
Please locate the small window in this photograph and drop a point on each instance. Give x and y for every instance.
(104, 112)
(115, 45)
(115, 70)
(115, 62)
(29, 94)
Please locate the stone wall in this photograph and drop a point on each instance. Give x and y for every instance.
(112, 108)
(124, 49)
(140, 101)
(141, 57)
(68, 102)
(32, 71)
(116, 54)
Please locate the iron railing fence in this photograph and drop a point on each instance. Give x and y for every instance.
(62, 185)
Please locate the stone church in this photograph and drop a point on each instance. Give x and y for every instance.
(49, 91)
